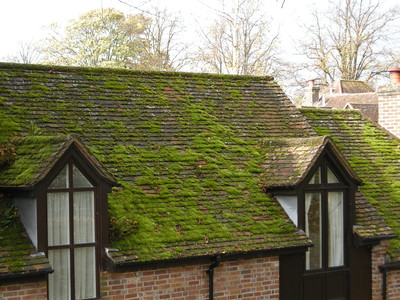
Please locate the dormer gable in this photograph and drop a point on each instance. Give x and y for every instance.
(60, 187)
(292, 162)
(37, 157)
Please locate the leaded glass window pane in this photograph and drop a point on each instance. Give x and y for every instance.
(335, 229)
(57, 219)
(61, 181)
(84, 217)
(331, 177)
(85, 273)
(316, 179)
(59, 281)
(313, 230)
(79, 180)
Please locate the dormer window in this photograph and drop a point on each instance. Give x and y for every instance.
(324, 219)
(315, 186)
(71, 235)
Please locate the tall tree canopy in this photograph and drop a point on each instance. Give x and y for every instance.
(97, 38)
(239, 41)
(348, 41)
(110, 38)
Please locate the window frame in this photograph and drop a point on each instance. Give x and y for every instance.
(72, 246)
(101, 186)
(332, 281)
(347, 186)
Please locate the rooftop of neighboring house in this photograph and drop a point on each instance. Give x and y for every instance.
(347, 87)
(351, 94)
(187, 151)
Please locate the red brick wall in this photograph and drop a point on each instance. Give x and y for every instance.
(26, 291)
(393, 285)
(393, 277)
(389, 108)
(378, 259)
(251, 278)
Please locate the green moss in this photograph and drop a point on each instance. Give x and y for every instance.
(30, 154)
(183, 147)
(12, 236)
(116, 85)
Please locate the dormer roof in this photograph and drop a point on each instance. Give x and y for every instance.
(35, 156)
(289, 161)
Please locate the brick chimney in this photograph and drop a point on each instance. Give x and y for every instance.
(394, 75)
(311, 94)
(389, 103)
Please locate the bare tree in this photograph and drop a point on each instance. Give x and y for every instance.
(239, 41)
(348, 41)
(164, 48)
(28, 53)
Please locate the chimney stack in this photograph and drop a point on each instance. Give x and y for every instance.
(389, 103)
(394, 75)
(311, 94)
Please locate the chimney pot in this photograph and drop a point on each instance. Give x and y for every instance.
(394, 75)
(311, 83)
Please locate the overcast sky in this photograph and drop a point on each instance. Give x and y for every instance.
(24, 20)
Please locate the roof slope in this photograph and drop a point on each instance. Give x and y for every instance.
(183, 147)
(373, 154)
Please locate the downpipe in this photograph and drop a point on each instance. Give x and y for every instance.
(210, 273)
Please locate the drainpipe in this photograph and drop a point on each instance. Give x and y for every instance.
(385, 269)
(210, 273)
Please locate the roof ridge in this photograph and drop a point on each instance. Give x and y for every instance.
(101, 70)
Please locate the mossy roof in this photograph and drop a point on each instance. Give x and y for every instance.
(375, 156)
(289, 160)
(18, 256)
(35, 157)
(185, 148)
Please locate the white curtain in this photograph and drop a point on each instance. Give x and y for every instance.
(336, 229)
(85, 257)
(85, 273)
(58, 219)
(84, 217)
(59, 281)
(313, 229)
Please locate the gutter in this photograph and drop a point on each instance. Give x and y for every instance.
(210, 273)
(385, 269)
(136, 264)
(31, 274)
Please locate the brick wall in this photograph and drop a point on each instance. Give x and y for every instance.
(251, 278)
(378, 259)
(389, 108)
(27, 291)
(393, 276)
(393, 285)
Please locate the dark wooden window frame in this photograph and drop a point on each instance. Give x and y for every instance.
(101, 187)
(348, 185)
